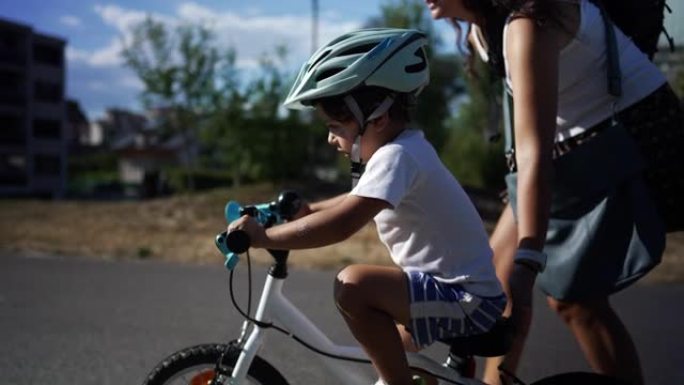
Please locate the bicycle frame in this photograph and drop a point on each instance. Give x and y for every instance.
(275, 307)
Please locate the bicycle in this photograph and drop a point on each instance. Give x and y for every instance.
(237, 362)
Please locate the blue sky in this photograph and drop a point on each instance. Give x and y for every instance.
(93, 30)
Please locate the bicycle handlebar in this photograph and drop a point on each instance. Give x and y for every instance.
(238, 241)
(267, 214)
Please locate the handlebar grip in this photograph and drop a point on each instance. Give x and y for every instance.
(237, 241)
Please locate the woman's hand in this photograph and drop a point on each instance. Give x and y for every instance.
(256, 232)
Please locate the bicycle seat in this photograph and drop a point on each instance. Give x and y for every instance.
(496, 342)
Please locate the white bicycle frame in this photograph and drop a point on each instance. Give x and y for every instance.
(275, 307)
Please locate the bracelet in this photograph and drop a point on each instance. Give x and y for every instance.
(535, 260)
(534, 267)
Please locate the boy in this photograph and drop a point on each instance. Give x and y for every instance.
(362, 85)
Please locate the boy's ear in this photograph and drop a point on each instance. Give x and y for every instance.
(381, 122)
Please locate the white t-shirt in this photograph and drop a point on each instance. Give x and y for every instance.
(432, 226)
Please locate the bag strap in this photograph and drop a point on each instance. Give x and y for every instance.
(612, 57)
(509, 138)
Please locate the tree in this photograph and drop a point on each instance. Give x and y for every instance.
(177, 67)
(472, 153)
(279, 139)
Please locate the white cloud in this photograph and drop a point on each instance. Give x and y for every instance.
(131, 81)
(120, 18)
(251, 34)
(75, 54)
(70, 21)
(97, 85)
(107, 56)
(100, 74)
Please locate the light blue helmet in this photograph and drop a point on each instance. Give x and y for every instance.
(391, 58)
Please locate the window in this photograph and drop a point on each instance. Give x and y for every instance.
(47, 129)
(12, 169)
(11, 48)
(47, 165)
(12, 131)
(47, 54)
(47, 92)
(12, 88)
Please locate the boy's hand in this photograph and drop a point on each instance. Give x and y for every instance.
(256, 232)
(304, 210)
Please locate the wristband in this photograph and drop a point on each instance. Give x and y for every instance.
(533, 259)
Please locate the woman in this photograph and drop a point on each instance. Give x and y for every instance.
(553, 57)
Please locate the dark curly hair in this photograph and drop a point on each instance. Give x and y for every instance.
(492, 16)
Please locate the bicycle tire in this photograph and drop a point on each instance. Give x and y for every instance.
(579, 378)
(196, 364)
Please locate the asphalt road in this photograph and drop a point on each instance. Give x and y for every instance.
(78, 321)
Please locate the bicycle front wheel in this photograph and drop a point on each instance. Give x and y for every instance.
(196, 365)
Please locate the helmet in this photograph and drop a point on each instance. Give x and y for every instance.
(391, 58)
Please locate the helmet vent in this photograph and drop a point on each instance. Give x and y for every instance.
(328, 73)
(418, 67)
(358, 49)
(321, 57)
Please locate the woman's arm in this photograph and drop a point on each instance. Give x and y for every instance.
(533, 54)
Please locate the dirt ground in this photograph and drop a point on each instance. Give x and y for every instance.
(182, 229)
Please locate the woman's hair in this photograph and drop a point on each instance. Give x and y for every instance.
(492, 16)
(368, 99)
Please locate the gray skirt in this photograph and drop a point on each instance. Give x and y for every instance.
(605, 229)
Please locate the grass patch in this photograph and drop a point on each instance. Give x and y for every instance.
(182, 229)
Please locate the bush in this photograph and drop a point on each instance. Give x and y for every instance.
(475, 161)
(203, 179)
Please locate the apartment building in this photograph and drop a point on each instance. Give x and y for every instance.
(33, 137)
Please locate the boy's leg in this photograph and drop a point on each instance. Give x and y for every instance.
(603, 338)
(371, 299)
(410, 346)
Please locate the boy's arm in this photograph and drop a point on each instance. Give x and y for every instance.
(332, 224)
(328, 203)
(310, 208)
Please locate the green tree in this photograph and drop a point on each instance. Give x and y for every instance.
(224, 132)
(471, 153)
(279, 138)
(177, 67)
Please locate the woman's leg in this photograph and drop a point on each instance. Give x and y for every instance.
(504, 242)
(372, 299)
(603, 338)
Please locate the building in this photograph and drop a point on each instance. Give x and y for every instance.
(77, 127)
(33, 138)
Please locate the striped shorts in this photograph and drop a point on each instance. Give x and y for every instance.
(442, 310)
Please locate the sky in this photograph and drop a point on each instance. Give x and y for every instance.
(96, 76)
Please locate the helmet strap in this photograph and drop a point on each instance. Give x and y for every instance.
(357, 165)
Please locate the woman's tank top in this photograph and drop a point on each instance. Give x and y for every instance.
(583, 98)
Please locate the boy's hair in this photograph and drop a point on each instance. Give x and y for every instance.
(368, 99)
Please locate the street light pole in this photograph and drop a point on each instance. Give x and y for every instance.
(314, 25)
